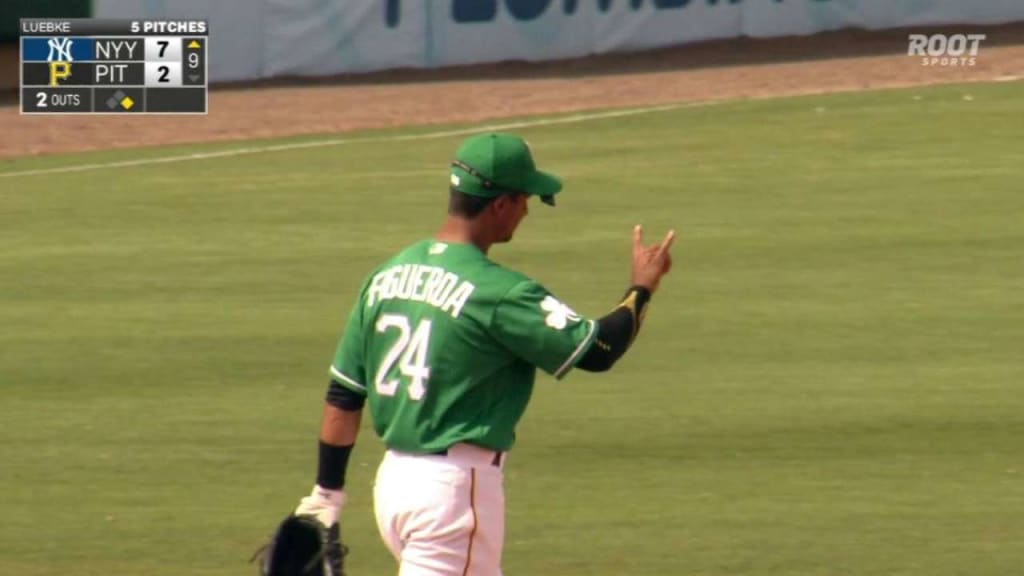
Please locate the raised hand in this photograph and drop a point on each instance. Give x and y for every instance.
(652, 262)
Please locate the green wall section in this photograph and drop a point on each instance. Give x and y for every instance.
(12, 10)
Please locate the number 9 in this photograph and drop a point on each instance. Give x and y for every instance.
(193, 59)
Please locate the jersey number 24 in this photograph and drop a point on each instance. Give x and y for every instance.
(410, 353)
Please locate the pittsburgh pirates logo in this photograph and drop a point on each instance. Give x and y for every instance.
(559, 314)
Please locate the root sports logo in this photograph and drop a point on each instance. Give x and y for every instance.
(945, 49)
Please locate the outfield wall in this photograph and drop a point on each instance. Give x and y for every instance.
(266, 38)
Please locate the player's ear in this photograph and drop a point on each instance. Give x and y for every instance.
(518, 202)
(500, 204)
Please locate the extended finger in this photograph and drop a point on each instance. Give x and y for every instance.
(667, 242)
(638, 238)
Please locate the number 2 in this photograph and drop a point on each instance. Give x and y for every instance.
(164, 71)
(42, 99)
(409, 351)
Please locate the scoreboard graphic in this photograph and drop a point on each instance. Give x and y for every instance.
(98, 66)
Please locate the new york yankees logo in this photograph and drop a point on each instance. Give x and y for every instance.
(62, 47)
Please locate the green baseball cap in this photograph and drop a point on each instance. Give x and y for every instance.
(490, 165)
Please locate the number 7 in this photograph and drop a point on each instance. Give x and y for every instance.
(163, 46)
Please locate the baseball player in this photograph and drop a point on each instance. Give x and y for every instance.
(443, 344)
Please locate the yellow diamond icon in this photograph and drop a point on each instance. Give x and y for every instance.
(127, 102)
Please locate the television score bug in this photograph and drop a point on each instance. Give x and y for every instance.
(104, 66)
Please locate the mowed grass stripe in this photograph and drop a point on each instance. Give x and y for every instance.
(828, 383)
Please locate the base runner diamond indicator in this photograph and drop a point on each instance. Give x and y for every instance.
(127, 102)
(116, 99)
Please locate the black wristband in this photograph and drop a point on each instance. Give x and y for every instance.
(643, 294)
(333, 463)
(635, 301)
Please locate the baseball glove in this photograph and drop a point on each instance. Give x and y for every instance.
(302, 546)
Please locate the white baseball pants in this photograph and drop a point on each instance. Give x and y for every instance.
(443, 515)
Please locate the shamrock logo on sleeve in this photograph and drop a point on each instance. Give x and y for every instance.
(558, 313)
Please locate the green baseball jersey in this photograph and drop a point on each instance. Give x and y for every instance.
(445, 344)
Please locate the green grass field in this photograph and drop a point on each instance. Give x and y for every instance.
(830, 382)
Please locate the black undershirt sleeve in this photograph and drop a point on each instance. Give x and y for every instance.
(616, 331)
(344, 399)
